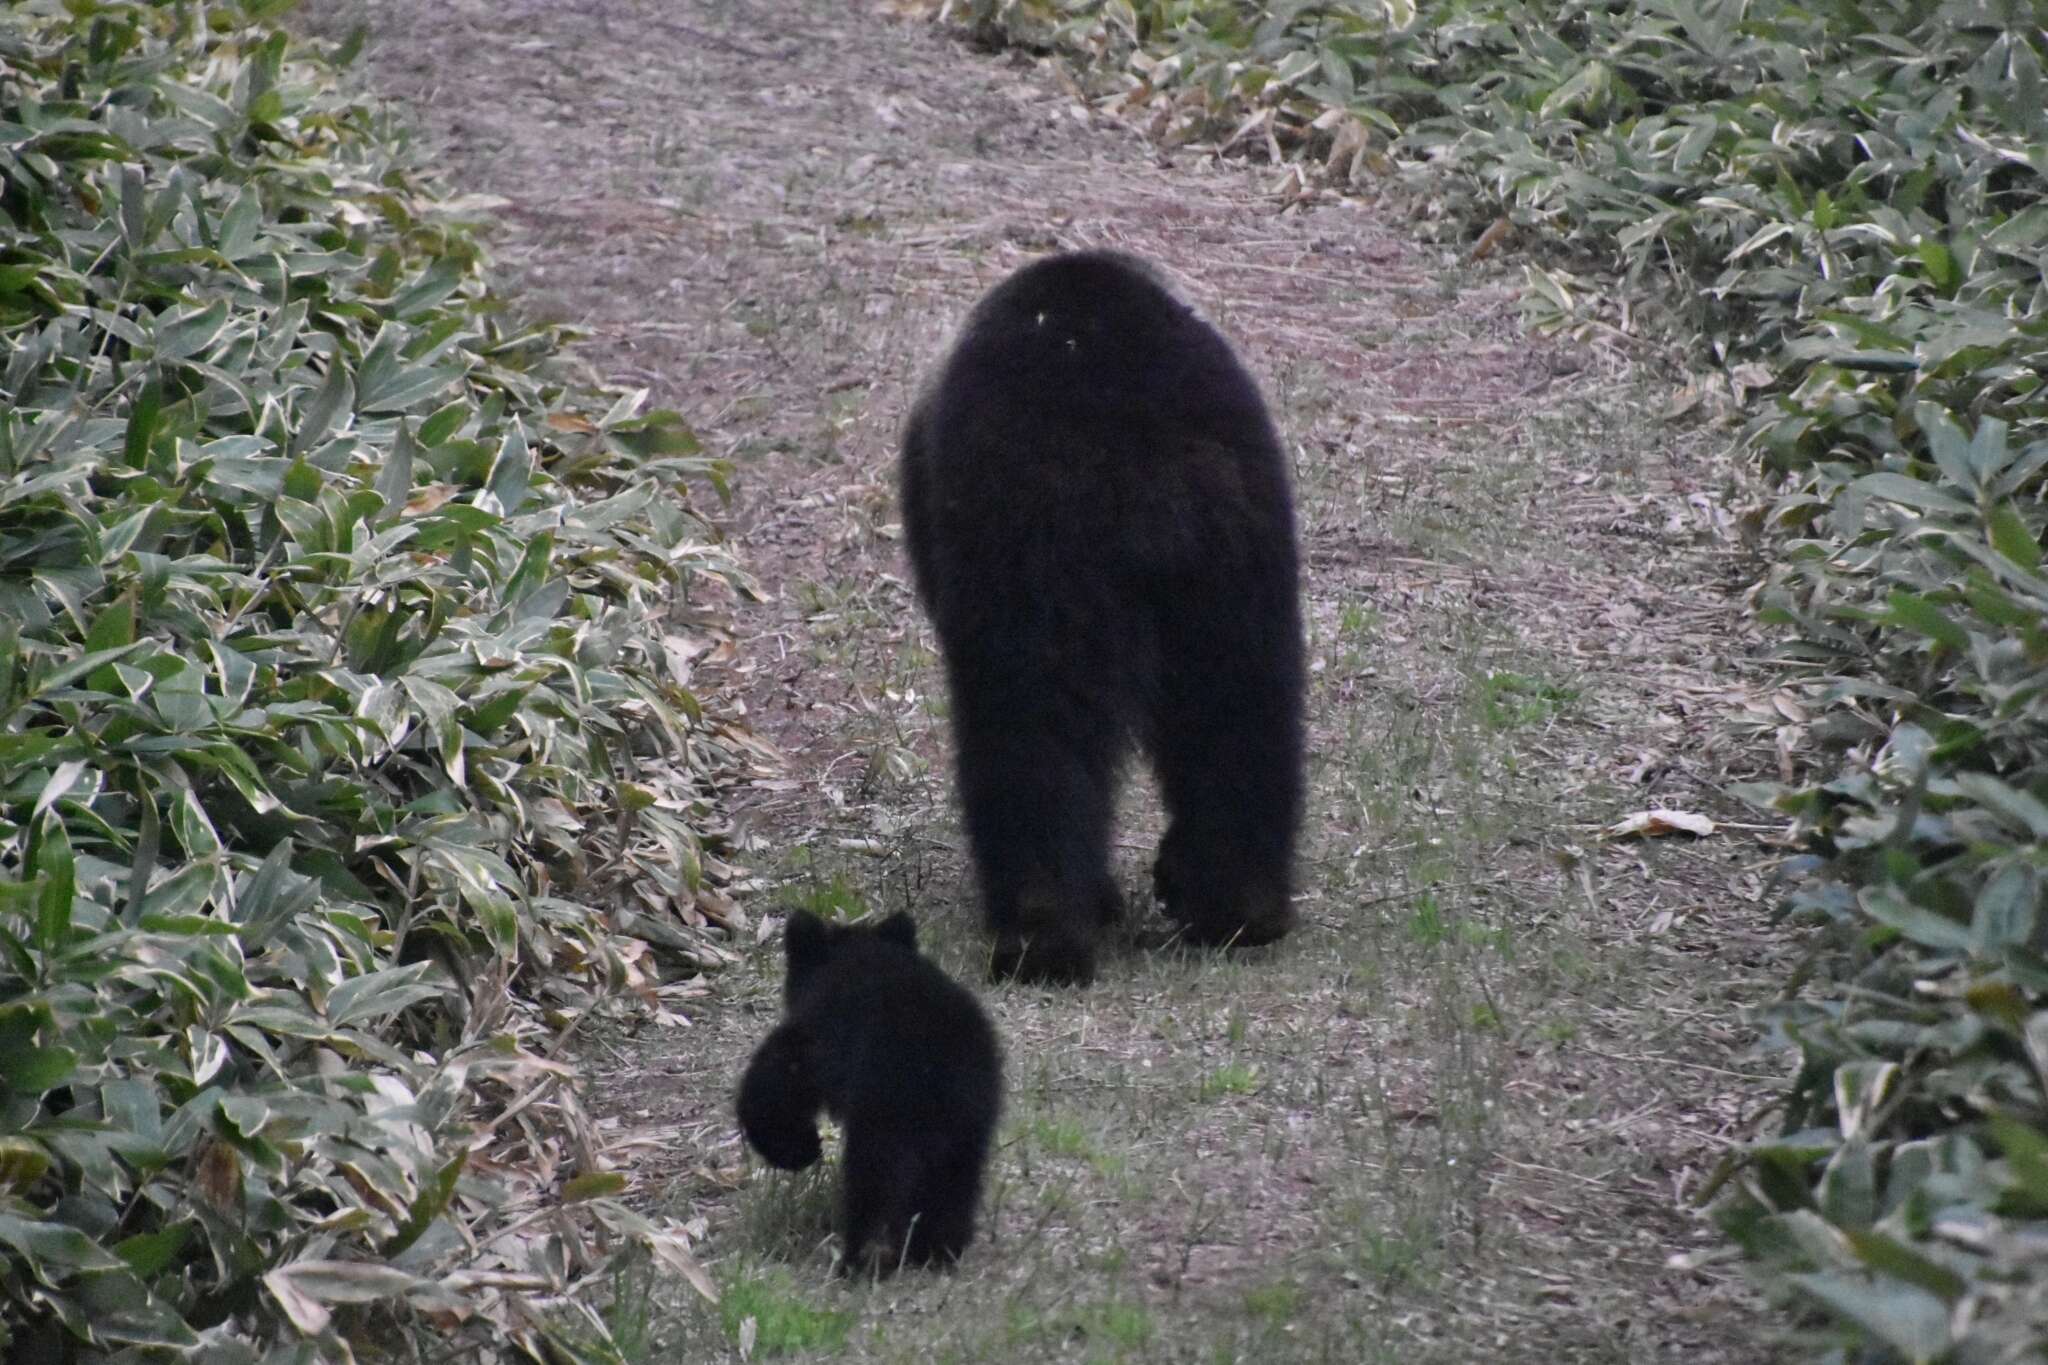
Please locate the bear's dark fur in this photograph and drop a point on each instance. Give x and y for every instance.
(904, 1058)
(1100, 524)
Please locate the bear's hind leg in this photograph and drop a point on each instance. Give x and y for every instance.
(1038, 789)
(1226, 741)
(946, 1207)
(881, 1173)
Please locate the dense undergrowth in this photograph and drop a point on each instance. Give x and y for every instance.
(1846, 199)
(347, 751)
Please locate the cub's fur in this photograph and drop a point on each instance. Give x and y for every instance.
(904, 1058)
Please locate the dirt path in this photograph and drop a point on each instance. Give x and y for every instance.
(1455, 1115)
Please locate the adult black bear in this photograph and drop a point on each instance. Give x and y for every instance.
(1100, 525)
(903, 1056)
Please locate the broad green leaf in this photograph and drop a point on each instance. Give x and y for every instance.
(1861, 1090)
(123, 1311)
(2021, 470)
(1879, 362)
(2011, 538)
(405, 388)
(1887, 906)
(196, 835)
(133, 1106)
(152, 1253)
(1987, 451)
(32, 1071)
(50, 856)
(184, 892)
(433, 285)
(1911, 611)
(1911, 492)
(51, 1248)
(2022, 807)
(1847, 1193)
(429, 1205)
(2025, 1149)
(2024, 230)
(113, 628)
(1995, 605)
(69, 673)
(272, 895)
(511, 471)
(23, 1162)
(1903, 1316)
(180, 698)
(534, 563)
(379, 995)
(239, 225)
(142, 426)
(134, 208)
(1940, 262)
(1998, 1000)
(1949, 446)
(496, 913)
(445, 421)
(2006, 910)
(60, 782)
(491, 715)
(659, 433)
(335, 396)
(186, 333)
(394, 479)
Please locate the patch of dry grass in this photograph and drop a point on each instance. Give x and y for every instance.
(1466, 1102)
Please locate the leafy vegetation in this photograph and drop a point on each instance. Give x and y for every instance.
(1843, 205)
(336, 751)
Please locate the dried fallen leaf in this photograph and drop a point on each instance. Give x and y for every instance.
(219, 1177)
(1491, 238)
(1652, 824)
(1682, 402)
(674, 1252)
(1788, 706)
(305, 1314)
(1744, 380)
(429, 497)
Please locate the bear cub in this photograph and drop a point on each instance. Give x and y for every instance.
(905, 1059)
(1101, 526)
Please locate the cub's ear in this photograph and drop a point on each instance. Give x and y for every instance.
(805, 937)
(898, 928)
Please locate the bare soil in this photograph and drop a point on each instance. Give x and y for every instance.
(1462, 1111)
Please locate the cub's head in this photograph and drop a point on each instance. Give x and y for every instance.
(810, 942)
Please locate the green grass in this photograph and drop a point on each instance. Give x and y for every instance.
(769, 1316)
(1276, 1302)
(1510, 701)
(830, 898)
(1233, 1079)
(1283, 1155)
(1059, 1137)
